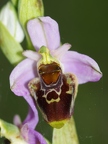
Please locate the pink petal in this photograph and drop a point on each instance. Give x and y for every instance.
(44, 31)
(36, 138)
(60, 52)
(32, 115)
(32, 55)
(84, 67)
(19, 78)
(31, 136)
(17, 120)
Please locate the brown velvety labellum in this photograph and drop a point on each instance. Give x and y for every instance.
(56, 110)
(56, 102)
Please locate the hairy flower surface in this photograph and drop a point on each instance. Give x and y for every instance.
(51, 74)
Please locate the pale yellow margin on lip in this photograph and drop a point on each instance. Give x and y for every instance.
(58, 124)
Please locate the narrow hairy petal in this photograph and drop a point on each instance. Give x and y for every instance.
(19, 78)
(44, 31)
(32, 55)
(60, 52)
(84, 67)
(17, 120)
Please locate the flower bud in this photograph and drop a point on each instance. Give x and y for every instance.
(27, 10)
(11, 34)
(9, 19)
(15, 2)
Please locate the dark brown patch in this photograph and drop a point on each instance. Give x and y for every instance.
(56, 111)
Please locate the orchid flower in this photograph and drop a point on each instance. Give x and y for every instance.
(20, 133)
(49, 76)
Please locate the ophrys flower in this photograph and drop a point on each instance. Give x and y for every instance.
(52, 74)
(20, 133)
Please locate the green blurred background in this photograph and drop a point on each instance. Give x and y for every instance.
(84, 24)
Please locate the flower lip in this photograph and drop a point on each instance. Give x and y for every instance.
(44, 31)
(56, 103)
